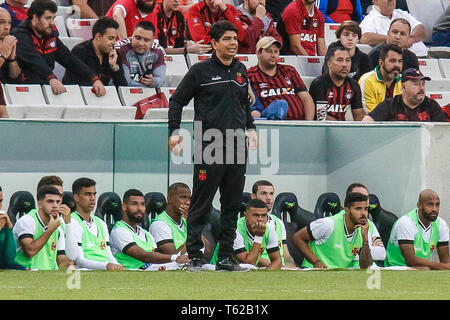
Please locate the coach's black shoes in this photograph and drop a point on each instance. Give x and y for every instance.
(228, 264)
(196, 264)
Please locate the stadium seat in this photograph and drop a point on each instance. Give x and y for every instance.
(193, 58)
(307, 80)
(445, 67)
(157, 114)
(311, 66)
(109, 208)
(68, 200)
(72, 96)
(290, 60)
(330, 32)
(364, 47)
(82, 112)
(246, 197)
(430, 68)
(61, 26)
(176, 68)
(66, 11)
(44, 112)
(169, 91)
(155, 203)
(130, 95)
(24, 94)
(16, 111)
(71, 42)
(383, 220)
(111, 97)
(437, 85)
(443, 98)
(439, 52)
(249, 60)
(118, 113)
(427, 15)
(80, 28)
(20, 203)
(328, 204)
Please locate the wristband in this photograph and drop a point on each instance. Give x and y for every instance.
(173, 257)
(11, 60)
(257, 239)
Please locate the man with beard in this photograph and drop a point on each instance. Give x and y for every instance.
(134, 247)
(384, 81)
(38, 47)
(417, 234)
(334, 92)
(100, 55)
(128, 13)
(333, 242)
(411, 105)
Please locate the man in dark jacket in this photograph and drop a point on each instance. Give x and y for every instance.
(99, 55)
(38, 48)
(219, 86)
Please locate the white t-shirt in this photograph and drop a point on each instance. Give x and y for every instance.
(26, 227)
(283, 228)
(120, 238)
(161, 231)
(239, 245)
(375, 22)
(406, 229)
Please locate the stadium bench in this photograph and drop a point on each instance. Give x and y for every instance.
(80, 28)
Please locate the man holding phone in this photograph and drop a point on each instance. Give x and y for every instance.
(143, 60)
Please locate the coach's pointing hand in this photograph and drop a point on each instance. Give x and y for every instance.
(175, 145)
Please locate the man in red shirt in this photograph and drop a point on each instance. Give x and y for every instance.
(204, 14)
(257, 23)
(276, 85)
(304, 24)
(128, 13)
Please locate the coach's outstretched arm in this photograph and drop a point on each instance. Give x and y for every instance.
(301, 239)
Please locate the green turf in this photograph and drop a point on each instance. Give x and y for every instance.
(183, 285)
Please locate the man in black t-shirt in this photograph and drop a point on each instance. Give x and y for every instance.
(334, 91)
(398, 34)
(411, 105)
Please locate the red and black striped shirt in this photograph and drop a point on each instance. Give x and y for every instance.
(284, 85)
(171, 30)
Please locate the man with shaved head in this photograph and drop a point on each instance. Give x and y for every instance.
(417, 234)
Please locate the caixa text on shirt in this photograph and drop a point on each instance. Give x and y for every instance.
(276, 92)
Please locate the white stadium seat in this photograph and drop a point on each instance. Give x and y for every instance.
(176, 68)
(193, 58)
(307, 80)
(311, 66)
(43, 112)
(443, 98)
(81, 112)
(25, 94)
(66, 11)
(109, 99)
(71, 42)
(330, 32)
(290, 60)
(156, 113)
(364, 47)
(61, 26)
(72, 96)
(439, 52)
(16, 111)
(430, 68)
(438, 85)
(81, 28)
(249, 60)
(118, 113)
(445, 67)
(130, 95)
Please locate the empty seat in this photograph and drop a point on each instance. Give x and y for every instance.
(155, 203)
(430, 68)
(328, 204)
(169, 91)
(193, 58)
(437, 85)
(111, 97)
(16, 111)
(176, 68)
(439, 52)
(72, 96)
(330, 32)
(310, 65)
(82, 112)
(44, 112)
(80, 28)
(445, 67)
(20, 203)
(109, 208)
(118, 113)
(61, 26)
(443, 98)
(71, 42)
(66, 11)
(130, 95)
(157, 114)
(25, 94)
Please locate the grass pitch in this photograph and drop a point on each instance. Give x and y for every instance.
(209, 285)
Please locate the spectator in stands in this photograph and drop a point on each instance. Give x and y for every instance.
(384, 81)
(305, 24)
(7, 242)
(92, 9)
(446, 110)
(417, 234)
(100, 55)
(348, 35)
(398, 34)
(257, 24)
(10, 70)
(337, 11)
(3, 111)
(376, 25)
(278, 87)
(128, 13)
(40, 236)
(134, 247)
(172, 27)
(254, 236)
(265, 191)
(204, 14)
(441, 30)
(143, 60)
(347, 230)
(87, 235)
(17, 10)
(38, 48)
(334, 92)
(411, 105)
(169, 228)
(276, 8)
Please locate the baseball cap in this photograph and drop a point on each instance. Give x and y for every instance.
(413, 74)
(266, 42)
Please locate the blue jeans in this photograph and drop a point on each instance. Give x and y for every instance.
(277, 110)
(12, 266)
(441, 39)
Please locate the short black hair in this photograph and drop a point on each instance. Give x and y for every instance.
(355, 185)
(219, 28)
(389, 47)
(38, 7)
(50, 180)
(255, 203)
(44, 190)
(82, 183)
(332, 50)
(353, 197)
(261, 183)
(175, 186)
(102, 24)
(131, 193)
(146, 25)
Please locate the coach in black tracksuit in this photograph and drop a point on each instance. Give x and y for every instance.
(219, 87)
